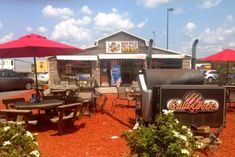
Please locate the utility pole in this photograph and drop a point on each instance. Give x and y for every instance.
(153, 38)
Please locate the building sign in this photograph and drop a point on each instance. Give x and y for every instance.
(121, 46)
(42, 66)
(113, 47)
(193, 102)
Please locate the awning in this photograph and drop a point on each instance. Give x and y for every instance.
(122, 56)
(168, 56)
(78, 57)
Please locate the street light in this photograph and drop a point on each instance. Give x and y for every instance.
(153, 38)
(168, 10)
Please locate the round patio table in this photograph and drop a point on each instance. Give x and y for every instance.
(42, 105)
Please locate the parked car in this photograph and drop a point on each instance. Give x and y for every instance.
(11, 80)
(211, 75)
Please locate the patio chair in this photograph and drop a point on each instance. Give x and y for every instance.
(67, 115)
(88, 100)
(122, 94)
(231, 98)
(17, 116)
(9, 102)
(72, 99)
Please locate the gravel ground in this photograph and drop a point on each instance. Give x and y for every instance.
(99, 135)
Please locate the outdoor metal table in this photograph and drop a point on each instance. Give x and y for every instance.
(48, 105)
(42, 105)
(64, 90)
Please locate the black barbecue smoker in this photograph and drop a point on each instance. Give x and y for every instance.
(184, 92)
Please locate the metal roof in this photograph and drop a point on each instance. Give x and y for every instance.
(78, 57)
(122, 56)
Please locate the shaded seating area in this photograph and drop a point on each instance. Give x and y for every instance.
(55, 111)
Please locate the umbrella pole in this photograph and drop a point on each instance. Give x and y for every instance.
(36, 77)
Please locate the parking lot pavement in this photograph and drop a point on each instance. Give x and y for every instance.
(12, 93)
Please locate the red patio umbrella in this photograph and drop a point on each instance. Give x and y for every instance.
(227, 55)
(34, 45)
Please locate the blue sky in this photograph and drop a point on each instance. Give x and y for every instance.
(81, 22)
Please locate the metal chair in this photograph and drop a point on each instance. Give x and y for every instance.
(231, 97)
(122, 94)
(88, 100)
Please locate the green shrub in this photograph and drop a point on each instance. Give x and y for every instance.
(15, 141)
(164, 138)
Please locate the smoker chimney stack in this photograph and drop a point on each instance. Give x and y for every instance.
(194, 54)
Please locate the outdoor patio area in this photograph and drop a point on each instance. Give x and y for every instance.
(95, 135)
(100, 134)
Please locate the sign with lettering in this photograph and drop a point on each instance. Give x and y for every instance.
(129, 46)
(192, 102)
(42, 66)
(121, 46)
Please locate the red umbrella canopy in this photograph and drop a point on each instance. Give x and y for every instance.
(225, 55)
(34, 45)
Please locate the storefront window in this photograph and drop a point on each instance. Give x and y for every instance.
(72, 71)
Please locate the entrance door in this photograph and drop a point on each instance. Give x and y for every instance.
(129, 70)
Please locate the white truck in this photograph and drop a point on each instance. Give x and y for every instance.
(20, 66)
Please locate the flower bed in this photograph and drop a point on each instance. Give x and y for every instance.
(16, 141)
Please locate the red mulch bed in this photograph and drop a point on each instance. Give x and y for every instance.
(92, 135)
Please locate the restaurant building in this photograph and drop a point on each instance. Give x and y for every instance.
(113, 59)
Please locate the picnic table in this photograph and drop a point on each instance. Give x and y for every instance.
(42, 105)
(64, 90)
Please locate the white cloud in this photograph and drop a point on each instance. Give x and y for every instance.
(7, 37)
(50, 11)
(70, 30)
(113, 21)
(229, 18)
(212, 40)
(42, 29)
(84, 21)
(29, 29)
(231, 44)
(1, 24)
(142, 24)
(86, 10)
(190, 26)
(210, 3)
(178, 11)
(152, 3)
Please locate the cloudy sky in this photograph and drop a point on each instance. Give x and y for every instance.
(82, 22)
